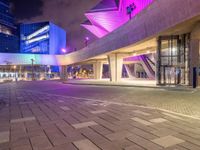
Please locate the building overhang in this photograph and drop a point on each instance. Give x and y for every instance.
(139, 34)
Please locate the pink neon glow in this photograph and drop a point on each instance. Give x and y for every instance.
(105, 5)
(108, 21)
(95, 30)
(87, 38)
(64, 50)
(104, 20)
(133, 58)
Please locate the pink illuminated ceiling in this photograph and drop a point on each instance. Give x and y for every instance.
(108, 15)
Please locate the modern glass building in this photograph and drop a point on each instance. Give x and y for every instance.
(34, 38)
(42, 38)
(9, 40)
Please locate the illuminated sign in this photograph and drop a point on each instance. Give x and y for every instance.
(40, 31)
(37, 39)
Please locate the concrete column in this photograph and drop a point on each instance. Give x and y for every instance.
(158, 62)
(98, 69)
(20, 72)
(115, 65)
(42, 75)
(194, 54)
(135, 70)
(26, 76)
(63, 73)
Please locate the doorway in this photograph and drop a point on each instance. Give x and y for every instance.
(173, 60)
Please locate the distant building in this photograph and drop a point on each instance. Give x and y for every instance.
(9, 40)
(42, 38)
(36, 38)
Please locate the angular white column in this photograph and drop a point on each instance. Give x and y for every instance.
(147, 68)
(63, 73)
(130, 71)
(115, 65)
(42, 76)
(98, 69)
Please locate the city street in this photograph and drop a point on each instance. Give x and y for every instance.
(49, 115)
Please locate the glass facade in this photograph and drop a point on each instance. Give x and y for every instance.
(42, 38)
(6, 17)
(9, 40)
(9, 43)
(173, 62)
(18, 73)
(34, 38)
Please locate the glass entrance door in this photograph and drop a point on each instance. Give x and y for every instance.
(173, 75)
(173, 60)
(168, 75)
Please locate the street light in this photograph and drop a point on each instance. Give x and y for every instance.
(8, 64)
(64, 50)
(130, 9)
(86, 41)
(32, 61)
(15, 72)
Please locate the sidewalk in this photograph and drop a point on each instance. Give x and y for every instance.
(34, 120)
(126, 83)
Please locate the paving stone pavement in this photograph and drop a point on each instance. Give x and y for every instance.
(44, 121)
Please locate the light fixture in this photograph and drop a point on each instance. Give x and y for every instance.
(87, 38)
(64, 50)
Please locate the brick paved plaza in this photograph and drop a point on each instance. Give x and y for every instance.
(54, 116)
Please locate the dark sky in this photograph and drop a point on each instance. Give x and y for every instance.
(66, 13)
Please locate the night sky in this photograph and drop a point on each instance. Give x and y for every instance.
(68, 14)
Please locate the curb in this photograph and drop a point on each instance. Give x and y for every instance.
(189, 89)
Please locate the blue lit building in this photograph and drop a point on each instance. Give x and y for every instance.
(9, 39)
(42, 38)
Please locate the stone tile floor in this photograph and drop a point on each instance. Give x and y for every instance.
(179, 100)
(33, 120)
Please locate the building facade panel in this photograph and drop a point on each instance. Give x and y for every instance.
(34, 38)
(9, 43)
(9, 39)
(58, 38)
(42, 38)
(112, 17)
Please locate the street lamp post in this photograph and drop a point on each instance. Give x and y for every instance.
(64, 51)
(15, 71)
(130, 9)
(86, 41)
(32, 61)
(8, 64)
